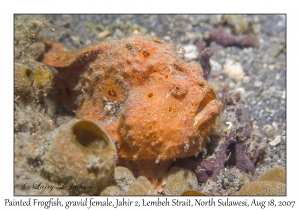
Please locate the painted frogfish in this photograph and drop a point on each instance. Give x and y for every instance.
(156, 106)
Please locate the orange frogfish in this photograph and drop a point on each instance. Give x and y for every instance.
(155, 106)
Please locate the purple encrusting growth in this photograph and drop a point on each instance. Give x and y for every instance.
(211, 167)
(232, 149)
(242, 160)
(221, 37)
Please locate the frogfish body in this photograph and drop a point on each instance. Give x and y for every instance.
(153, 104)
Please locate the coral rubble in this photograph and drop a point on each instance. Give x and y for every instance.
(154, 105)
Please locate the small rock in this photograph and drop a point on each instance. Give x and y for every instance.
(275, 125)
(246, 79)
(283, 94)
(239, 23)
(234, 70)
(167, 38)
(268, 130)
(75, 40)
(276, 141)
(103, 34)
(215, 19)
(258, 86)
(119, 34)
(241, 90)
(230, 177)
(88, 42)
(135, 31)
(191, 52)
(271, 67)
